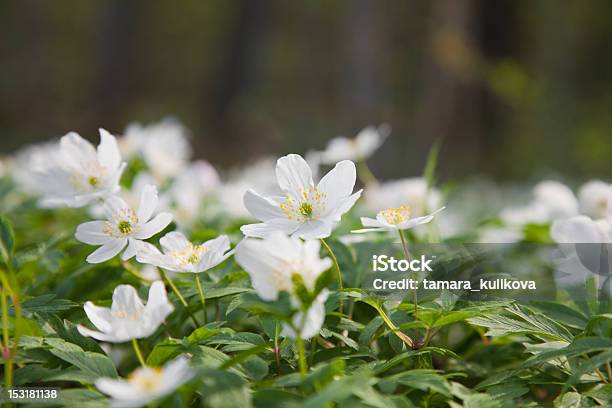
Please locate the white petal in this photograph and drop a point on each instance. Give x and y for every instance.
(339, 182)
(419, 220)
(316, 229)
(92, 233)
(108, 337)
(157, 224)
(149, 254)
(364, 230)
(264, 229)
(158, 306)
(260, 207)
(148, 203)
(108, 151)
(99, 316)
(115, 207)
(173, 241)
(107, 251)
(132, 249)
(579, 229)
(293, 173)
(342, 207)
(370, 222)
(76, 151)
(125, 299)
(259, 265)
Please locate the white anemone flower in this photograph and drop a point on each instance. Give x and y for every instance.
(394, 219)
(128, 319)
(272, 263)
(306, 210)
(189, 190)
(124, 226)
(164, 147)
(146, 384)
(309, 324)
(412, 191)
(180, 255)
(77, 173)
(594, 198)
(552, 200)
(359, 148)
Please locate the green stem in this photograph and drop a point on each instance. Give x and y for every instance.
(6, 353)
(414, 291)
(301, 355)
(337, 266)
(202, 298)
(179, 296)
(365, 174)
(138, 352)
(405, 338)
(276, 348)
(128, 267)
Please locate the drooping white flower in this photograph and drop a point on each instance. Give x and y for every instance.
(413, 192)
(146, 384)
(308, 324)
(594, 198)
(75, 173)
(124, 226)
(306, 210)
(272, 263)
(180, 255)
(164, 147)
(394, 219)
(128, 318)
(359, 148)
(552, 200)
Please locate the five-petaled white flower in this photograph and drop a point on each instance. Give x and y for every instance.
(123, 226)
(180, 255)
(272, 264)
(80, 173)
(393, 219)
(128, 318)
(359, 148)
(306, 210)
(146, 384)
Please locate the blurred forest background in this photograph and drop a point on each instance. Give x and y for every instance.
(513, 88)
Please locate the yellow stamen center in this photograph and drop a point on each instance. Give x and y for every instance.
(308, 204)
(395, 216)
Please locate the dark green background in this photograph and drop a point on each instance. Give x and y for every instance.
(514, 88)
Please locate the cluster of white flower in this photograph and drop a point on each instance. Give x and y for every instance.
(281, 253)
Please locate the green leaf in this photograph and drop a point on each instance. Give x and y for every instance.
(580, 346)
(422, 379)
(7, 240)
(90, 362)
(47, 303)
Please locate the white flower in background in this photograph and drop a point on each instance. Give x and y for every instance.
(394, 219)
(146, 384)
(593, 198)
(551, 201)
(306, 210)
(359, 148)
(128, 318)
(123, 226)
(581, 229)
(190, 188)
(258, 176)
(164, 147)
(180, 255)
(75, 173)
(273, 261)
(412, 192)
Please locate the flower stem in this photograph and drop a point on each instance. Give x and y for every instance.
(138, 352)
(179, 296)
(365, 174)
(6, 353)
(337, 266)
(301, 355)
(128, 267)
(414, 291)
(202, 298)
(405, 338)
(277, 348)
